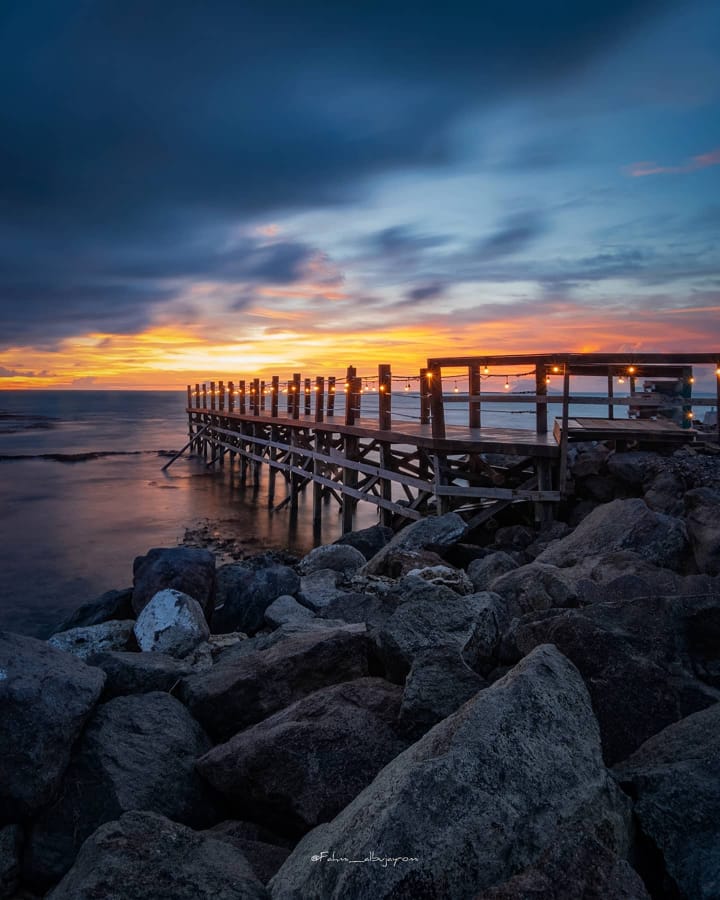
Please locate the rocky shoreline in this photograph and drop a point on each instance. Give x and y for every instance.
(516, 713)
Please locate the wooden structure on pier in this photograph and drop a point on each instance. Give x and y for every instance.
(409, 468)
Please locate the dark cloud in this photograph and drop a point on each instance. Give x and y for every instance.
(403, 240)
(426, 292)
(516, 233)
(135, 134)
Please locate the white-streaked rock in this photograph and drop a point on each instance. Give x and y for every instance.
(171, 623)
(85, 642)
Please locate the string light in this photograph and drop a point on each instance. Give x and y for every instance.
(621, 380)
(691, 380)
(407, 386)
(486, 369)
(507, 383)
(631, 370)
(556, 369)
(717, 371)
(547, 379)
(455, 389)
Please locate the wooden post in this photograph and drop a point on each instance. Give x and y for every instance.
(189, 397)
(686, 395)
(717, 407)
(474, 388)
(424, 397)
(565, 428)
(349, 400)
(212, 395)
(437, 405)
(308, 396)
(611, 394)
(241, 398)
(384, 398)
(221, 395)
(386, 463)
(197, 396)
(205, 406)
(262, 395)
(317, 487)
(543, 509)
(274, 390)
(350, 479)
(319, 398)
(331, 397)
(541, 410)
(256, 396)
(231, 396)
(295, 388)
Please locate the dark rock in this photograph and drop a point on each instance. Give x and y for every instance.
(635, 467)
(304, 764)
(467, 623)
(535, 586)
(246, 591)
(172, 623)
(598, 487)
(87, 640)
(111, 605)
(139, 673)
(286, 609)
(514, 537)
(246, 689)
(136, 752)
(342, 558)
(482, 572)
(702, 635)
(622, 525)
(401, 561)
(431, 533)
(358, 607)
(439, 683)
(445, 576)
(587, 460)
(580, 510)
(45, 697)
(368, 540)
(10, 849)
(702, 510)
(319, 589)
(665, 494)
(632, 659)
(674, 779)
(461, 555)
(180, 568)
(145, 856)
(578, 866)
(461, 805)
(265, 858)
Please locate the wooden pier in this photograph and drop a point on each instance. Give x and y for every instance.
(315, 434)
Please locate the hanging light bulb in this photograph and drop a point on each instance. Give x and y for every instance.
(691, 380)
(455, 389)
(556, 369)
(547, 379)
(631, 370)
(621, 380)
(347, 386)
(717, 371)
(407, 386)
(486, 369)
(507, 383)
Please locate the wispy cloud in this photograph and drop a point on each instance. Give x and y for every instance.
(693, 164)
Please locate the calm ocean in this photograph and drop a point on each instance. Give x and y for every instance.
(69, 530)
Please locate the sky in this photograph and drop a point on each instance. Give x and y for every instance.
(226, 189)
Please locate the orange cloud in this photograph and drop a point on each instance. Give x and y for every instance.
(694, 164)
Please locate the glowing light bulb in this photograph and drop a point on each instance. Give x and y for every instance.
(382, 387)
(486, 369)
(547, 379)
(621, 380)
(717, 371)
(407, 386)
(631, 370)
(556, 369)
(507, 384)
(691, 380)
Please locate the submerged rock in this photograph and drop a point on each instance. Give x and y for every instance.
(144, 856)
(474, 801)
(45, 697)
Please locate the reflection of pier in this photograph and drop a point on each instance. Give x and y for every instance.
(411, 468)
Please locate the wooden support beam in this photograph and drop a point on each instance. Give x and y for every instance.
(212, 395)
(221, 395)
(295, 391)
(350, 479)
(349, 399)
(331, 397)
(541, 422)
(474, 389)
(308, 397)
(424, 397)
(242, 398)
(384, 397)
(262, 396)
(231, 396)
(611, 388)
(565, 430)
(256, 397)
(437, 405)
(319, 398)
(274, 391)
(197, 396)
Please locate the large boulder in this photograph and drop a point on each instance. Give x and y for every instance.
(374, 609)
(482, 572)
(139, 673)
(87, 640)
(263, 853)
(45, 697)
(674, 779)
(447, 576)
(534, 586)
(368, 541)
(431, 533)
(111, 605)
(145, 855)
(474, 801)
(244, 689)
(136, 752)
(180, 568)
(577, 866)
(439, 682)
(634, 468)
(622, 525)
(286, 609)
(420, 624)
(10, 849)
(304, 764)
(320, 588)
(702, 511)
(635, 661)
(246, 590)
(665, 494)
(171, 623)
(341, 558)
